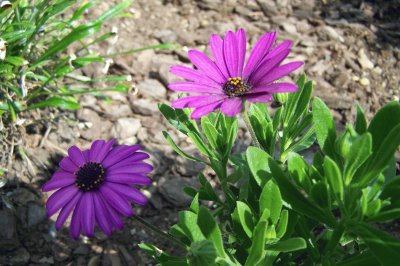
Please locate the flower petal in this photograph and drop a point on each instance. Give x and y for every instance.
(100, 149)
(134, 168)
(206, 66)
(135, 179)
(131, 160)
(102, 217)
(216, 48)
(205, 109)
(116, 200)
(275, 88)
(59, 179)
(68, 165)
(191, 75)
(129, 193)
(88, 214)
(119, 153)
(231, 107)
(185, 86)
(280, 72)
(113, 215)
(66, 210)
(241, 43)
(76, 220)
(261, 48)
(267, 66)
(76, 156)
(279, 48)
(259, 98)
(60, 198)
(231, 53)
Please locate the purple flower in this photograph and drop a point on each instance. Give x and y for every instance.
(95, 185)
(225, 82)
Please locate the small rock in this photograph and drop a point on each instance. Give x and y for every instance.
(364, 61)
(8, 238)
(365, 82)
(152, 88)
(268, 7)
(49, 260)
(289, 28)
(20, 256)
(333, 34)
(117, 110)
(81, 250)
(166, 36)
(126, 127)
(61, 251)
(129, 260)
(36, 214)
(143, 106)
(22, 196)
(172, 190)
(188, 168)
(111, 257)
(92, 127)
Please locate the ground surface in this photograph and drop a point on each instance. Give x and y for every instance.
(350, 48)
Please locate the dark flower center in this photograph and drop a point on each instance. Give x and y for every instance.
(235, 87)
(89, 176)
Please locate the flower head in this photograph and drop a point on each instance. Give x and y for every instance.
(222, 83)
(95, 185)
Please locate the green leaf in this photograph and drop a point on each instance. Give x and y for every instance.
(295, 198)
(365, 259)
(202, 253)
(210, 230)
(257, 250)
(188, 223)
(373, 207)
(289, 245)
(320, 195)
(178, 150)
(16, 61)
(283, 223)
(160, 255)
(245, 217)
(324, 127)
(271, 200)
(55, 102)
(358, 154)
(386, 215)
(361, 121)
(116, 10)
(332, 172)
(194, 206)
(383, 246)
(210, 132)
(257, 160)
(298, 169)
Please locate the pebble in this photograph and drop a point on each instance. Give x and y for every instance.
(143, 106)
(365, 82)
(172, 190)
(36, 214)
(126, 127)
(364, 61)
(8, 238)
(152, 88)
(166, 36)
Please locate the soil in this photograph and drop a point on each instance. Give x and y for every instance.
(350, 49)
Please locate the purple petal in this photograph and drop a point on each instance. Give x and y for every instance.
(60, 198)
(259, 98)
(184, 86)
(131, 160)
(275, 88)
(184, 101)
(113, 215)
(100, 149)
(59, 179)
(135, 179)
(129, 193)
(191, 74)
(134, 168)
(86, 155)
(216, 48)
(231, 54)
(119, 153)
(116, 200)
(206, 66)
(261, 48)
(267, 66)
(75, 154)
(206, 109)
(231, 107)
(66, 210)
(88, 216)
(279, 48)
(280, 72)
(102, 217)
(68, 165)
(241, 43)
(76, 220)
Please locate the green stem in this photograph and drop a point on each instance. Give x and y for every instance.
(159, 232)
(249, 127)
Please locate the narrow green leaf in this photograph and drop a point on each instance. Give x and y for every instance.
(55, 102)
(271, 200)
(283, 223)
(210, 230)
(289, 245)
(320, 195)
(245, 217)
(324, 127)
(178, 150)
(115, 10)
(361, 120)
(386, 215)
(332, 172)
(188, 222)
(257, 161)
(257, 250)
(365, 259)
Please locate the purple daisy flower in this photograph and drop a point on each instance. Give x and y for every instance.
(225, 82)
(95, 185)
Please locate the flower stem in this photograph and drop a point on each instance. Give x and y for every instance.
(249, 127)
(159, 232)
